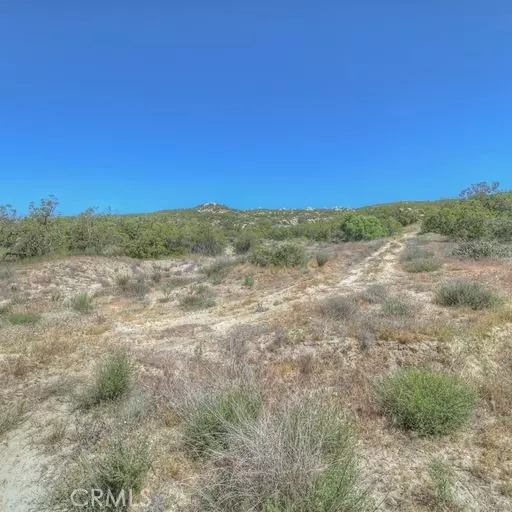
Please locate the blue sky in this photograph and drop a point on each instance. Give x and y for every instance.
(160, 104)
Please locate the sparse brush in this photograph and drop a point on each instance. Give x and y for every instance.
(200, 298)
(132, 287)
(429, 264)
(482, 249)
(374, 294)
(114, 474)
(338, 307)
(299, 458)
(11, 414)
(81, 303)
(321, 258)
(430, 403)
(24, 318)
(249, 281)
(113, 378)
(6, 273)
(442, 480)
(219, 269)
(461, 292)
(398, 306)
(412, 253)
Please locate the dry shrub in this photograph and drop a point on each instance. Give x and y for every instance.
(300, 457)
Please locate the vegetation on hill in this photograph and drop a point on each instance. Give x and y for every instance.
(206, 230)
(481, 212)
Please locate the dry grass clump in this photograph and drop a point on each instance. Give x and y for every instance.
(429, 403)
(461, 292)
(24, 318)
(373, 294)
(206, 426)
(298, 458)
(338, 307)
(398, 306)
(133, 287)
(220, 269)
(200, 298)
(81, 303)
(116, 471)
(11, 414)
(321, 258)
(113, 377)
(417, 259)
(442, 480)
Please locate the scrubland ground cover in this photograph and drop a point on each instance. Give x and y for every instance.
(363, 375)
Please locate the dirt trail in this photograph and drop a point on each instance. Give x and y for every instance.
(21, 471)
(380, 267)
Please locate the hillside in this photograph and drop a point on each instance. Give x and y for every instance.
(299, 373)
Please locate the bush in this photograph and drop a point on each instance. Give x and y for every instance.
(482, 249)
(285, 255)
(132, 287)
(321, 258)
(461, 292)
(200, 298)
(243, 245)
(219, 269)
(397, 306)
(299, 459)
(429, 403)
(423, 265)
(82, 303)
(338, 308)
(363, 227)
(112, 380)
(24, 318)
(207, 426)
(374, 294)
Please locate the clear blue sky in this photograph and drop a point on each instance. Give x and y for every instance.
(160, 104)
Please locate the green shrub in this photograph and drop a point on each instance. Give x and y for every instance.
(321, 258)
(301, 458)
(249, 281)
(82, 303)
(461, 292)
(206, 427)
(24, 318)
(482, 249)
(112, 380)
(363, 227)
(429, 403)
(285, 255)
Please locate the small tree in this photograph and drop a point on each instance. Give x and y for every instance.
(480, 190)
